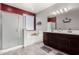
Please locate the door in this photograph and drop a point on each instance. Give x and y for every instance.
(10, 30)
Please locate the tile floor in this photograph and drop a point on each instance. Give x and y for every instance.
(35, 49)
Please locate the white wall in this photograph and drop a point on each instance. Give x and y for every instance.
(43, 19)
(43, 15)
(74, 24)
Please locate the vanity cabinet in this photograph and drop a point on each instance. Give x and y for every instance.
(64, 42)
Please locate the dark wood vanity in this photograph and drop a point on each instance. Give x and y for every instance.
(67, 43)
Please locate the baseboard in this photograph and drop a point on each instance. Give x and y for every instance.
(10, 49)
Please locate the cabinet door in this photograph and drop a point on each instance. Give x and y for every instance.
(63, 44)
(74, 46)
(10, 30)
(45, 38)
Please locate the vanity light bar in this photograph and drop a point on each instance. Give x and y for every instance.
(61, 11)
(66, 9)
(58, 12)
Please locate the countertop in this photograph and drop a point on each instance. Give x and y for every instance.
(72, 32)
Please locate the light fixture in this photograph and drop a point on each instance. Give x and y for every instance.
(67, 20)
(39, 23)
(66, 9)
(61, 10)
(57, 12)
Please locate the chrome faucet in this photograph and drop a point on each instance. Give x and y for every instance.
(69, 31)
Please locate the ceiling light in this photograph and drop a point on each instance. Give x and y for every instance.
(66, 9)
(57, 12)
(61, 11)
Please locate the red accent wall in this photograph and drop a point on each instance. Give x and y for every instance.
(0, 6)
(52, 19)
(12, 9)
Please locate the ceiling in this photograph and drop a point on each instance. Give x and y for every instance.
(32, 7)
